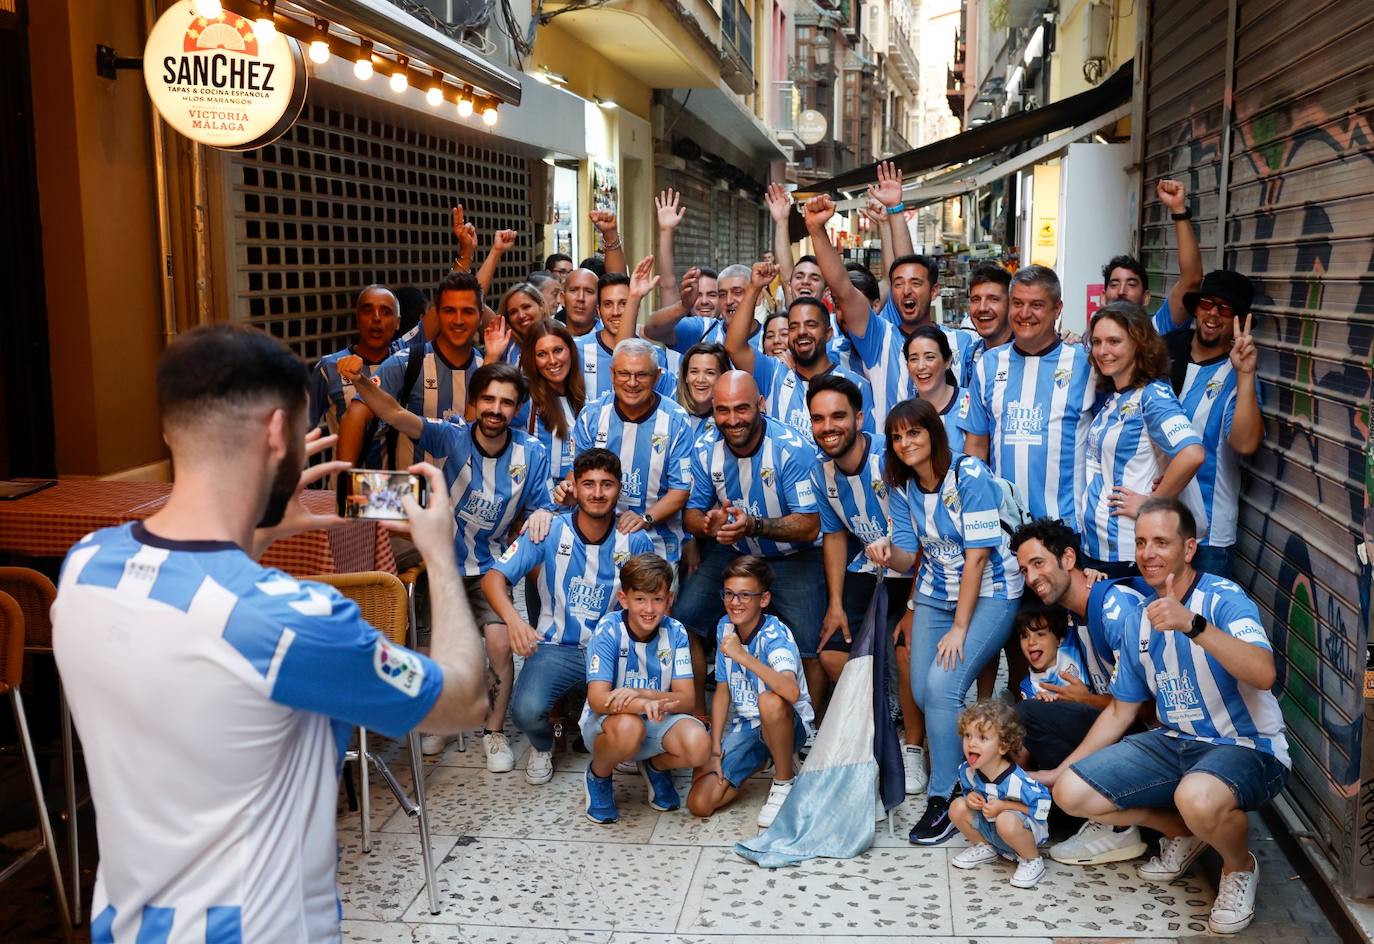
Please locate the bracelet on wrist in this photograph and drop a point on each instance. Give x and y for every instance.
(611, 246)
(899, 208)
(1187, 214)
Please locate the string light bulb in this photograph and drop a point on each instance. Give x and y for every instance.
(464, 107)
(489, 115)
(264, 27)
(362, 69)
(435, 94)
(319, 52)
(210, 9)
(399, 80)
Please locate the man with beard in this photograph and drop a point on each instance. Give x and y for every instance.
(751, 493)
(1100, 614)
(214, 697)
(1213, 374)
(653, 436)
(989, 308)
(377, 316)
(495, 475)
(808, 334)
(1124, 276)
(618, 297)
(580, 562)
(437, 386)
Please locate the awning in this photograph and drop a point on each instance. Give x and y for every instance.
(1075, 111)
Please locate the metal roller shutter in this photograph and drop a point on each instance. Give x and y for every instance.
(343, 200)
(723, 240)
(692, 242)
(1300, 202)
(747, 245)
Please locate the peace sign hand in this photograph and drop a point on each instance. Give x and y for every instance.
(1167, 613)
(1244, 354)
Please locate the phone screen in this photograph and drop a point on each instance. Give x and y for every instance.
(376, 495)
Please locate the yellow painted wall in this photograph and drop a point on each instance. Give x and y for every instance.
(1066, 64)
(1044, 248)
(589, 73)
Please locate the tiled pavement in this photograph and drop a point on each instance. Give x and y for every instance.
(522, 864)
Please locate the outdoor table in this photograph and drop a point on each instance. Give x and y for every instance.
(48, 523)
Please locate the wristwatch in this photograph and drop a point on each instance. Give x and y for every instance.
(1187, 214)
(1199, 624)
(648, 518)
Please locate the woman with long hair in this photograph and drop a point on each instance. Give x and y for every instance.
(967, 588)
(1139, 443)
(929, 362)
(504, 335)
(548, 358)
(701, 365)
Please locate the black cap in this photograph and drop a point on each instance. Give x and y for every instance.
(1231, 287)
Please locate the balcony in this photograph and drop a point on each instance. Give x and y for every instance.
(737, 47)
(894, 143)
(786, 110)
(901, 54)
(954, 80)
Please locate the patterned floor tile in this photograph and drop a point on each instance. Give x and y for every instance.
(885, 891)
(396, 932)
(737, 821)
(380, 885)
(1075, 901)
(531, 884)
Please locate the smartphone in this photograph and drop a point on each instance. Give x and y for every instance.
(376, 495)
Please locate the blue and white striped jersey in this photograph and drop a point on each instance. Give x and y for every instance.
(880, 351)
(1164, 319)
(1195, 697)
(962, 513)
(595, 358)
(440, 392)
(1012, 784)
(215, 698)
(1122, 447)
(772, 481)
(559, 449)
(949, 416)
(1112, 606)
(330, 395)
(773, 645)
(487, 493)
(1034, 409)
(580, 577)
(1068, 663)
(784, 393)
(1208, 398)
(655, 458)
(859, 504)
(616, 657)
(694, 329)
(700, 426)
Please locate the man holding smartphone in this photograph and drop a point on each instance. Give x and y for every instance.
(215, 697)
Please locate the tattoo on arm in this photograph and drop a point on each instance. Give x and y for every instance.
(794, 527)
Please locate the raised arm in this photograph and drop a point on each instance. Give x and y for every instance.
(662, 324)
(670, 213)
(383, 405)
(611, 244)
(641, 284)
(1172, 194)
(853, 307)
(888, 191)
(502, 242)
(466, 234)
(780, 208)
(737, 332)
(1247, 426)
(882, 224)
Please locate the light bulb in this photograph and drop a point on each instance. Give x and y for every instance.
(465, 108)
(264, 29)
(435, 96)
(362, 69)
(399, 82)
(489, 115)
(319, 52)
(210, 9)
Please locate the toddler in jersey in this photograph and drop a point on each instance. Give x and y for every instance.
(1003, 812)
(1050, 650)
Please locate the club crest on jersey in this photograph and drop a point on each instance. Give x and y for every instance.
(880, 488)
(620, 557)
(663, 653)
(1214, 387)
(658, 440)
(950, 497)
(398, 667)
(1129, 408)
(767, 475)
(517, 472)
(1061, 376)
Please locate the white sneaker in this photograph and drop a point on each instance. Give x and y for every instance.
(1029, 872)
(974, 856)
(914, 767)
(431, 744)
(627, 767)
(776, 795)
(500, 758)
(1235, 904)
(539, 767)
(1098, 843)
(1175, 855)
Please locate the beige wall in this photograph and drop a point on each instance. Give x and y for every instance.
(99, 235)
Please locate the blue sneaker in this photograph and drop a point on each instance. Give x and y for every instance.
(662, 794)
(600, 799)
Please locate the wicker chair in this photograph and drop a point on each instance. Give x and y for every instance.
(388, 605)
(11, 675)
(35, 593)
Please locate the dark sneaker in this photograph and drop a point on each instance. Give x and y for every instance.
(600, 799)
(934, 826)
(662, 794)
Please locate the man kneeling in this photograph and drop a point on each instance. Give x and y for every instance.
(640, 692)
(758, 671)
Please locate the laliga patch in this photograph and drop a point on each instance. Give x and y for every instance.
(399, 668)
(595, 663)
(509, 552)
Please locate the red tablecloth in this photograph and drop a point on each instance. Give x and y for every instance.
(49, 522)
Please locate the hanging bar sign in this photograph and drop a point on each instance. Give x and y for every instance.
(217, 83)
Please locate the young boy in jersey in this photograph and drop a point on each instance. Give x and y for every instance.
(758, 674)
(1003, 812)
(1050, 651)
(639, 692)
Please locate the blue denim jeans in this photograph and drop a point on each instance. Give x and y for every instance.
(939, 692)
(798, 592)
(1214, 560)
(546, 676)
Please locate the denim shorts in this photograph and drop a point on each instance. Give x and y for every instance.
(1145, 769)
(743, 750)
(988, 830)
(651, 746)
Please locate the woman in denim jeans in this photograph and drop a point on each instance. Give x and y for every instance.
(967, 587)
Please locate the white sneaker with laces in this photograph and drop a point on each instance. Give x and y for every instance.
(1235, 904)
(432, 744)
(1098, 843)
(500, 758)
(1029, 872)
(627, 767)
(974, 856)
(777, 793)
(914, 767)
(1175, 855)
(539, 767)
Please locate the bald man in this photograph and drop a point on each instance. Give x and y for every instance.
(378, 318)
(580, 301)
(751, 492)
